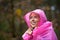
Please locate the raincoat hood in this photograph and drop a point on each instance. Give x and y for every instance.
(40, 13)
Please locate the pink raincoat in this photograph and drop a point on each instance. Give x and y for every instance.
(44, 31)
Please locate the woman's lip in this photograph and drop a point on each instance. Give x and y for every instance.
(33, 23)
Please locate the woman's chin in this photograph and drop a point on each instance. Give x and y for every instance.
(34, 26)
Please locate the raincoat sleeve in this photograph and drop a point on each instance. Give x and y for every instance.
(26, 36)
(47, 35)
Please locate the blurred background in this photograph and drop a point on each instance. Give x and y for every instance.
(12, 24)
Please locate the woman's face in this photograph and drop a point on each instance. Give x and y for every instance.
(34, 19)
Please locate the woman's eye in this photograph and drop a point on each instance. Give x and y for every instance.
(35, 16)
(30, 17)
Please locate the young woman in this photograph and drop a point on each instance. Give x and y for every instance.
(39, 28)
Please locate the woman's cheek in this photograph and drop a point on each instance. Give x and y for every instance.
(36, 20)
(30, 21)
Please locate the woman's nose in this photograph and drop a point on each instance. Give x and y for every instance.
(32, 19)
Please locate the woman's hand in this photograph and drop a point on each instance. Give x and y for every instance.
(29, 31)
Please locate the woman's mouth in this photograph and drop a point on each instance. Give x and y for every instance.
(33, 23)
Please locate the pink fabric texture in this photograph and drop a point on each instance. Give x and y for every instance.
(44, 31)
